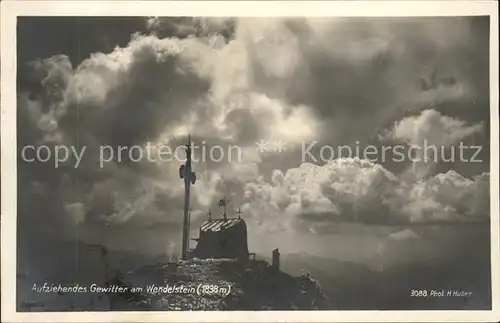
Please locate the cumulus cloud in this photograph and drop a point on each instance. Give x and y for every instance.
(448, 197)
(435, 135)
(361, 188)
(350, 189)
(432, 127)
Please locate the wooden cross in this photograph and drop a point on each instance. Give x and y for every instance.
(239, 213)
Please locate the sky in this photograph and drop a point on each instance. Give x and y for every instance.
(125, 81)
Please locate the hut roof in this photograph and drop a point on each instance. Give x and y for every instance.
(219, 224)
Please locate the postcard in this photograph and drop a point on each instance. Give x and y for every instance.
(249, 161)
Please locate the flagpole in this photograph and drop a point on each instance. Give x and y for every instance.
(224, 205)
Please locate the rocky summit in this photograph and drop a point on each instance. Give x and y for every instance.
(220, 284)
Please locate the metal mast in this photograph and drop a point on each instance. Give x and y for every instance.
(189, 178)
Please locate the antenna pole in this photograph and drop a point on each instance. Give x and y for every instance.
(189, 178)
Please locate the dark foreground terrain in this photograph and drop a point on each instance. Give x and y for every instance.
(230, 285)
(220, 285)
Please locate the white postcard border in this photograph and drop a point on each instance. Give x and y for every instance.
(11, 9)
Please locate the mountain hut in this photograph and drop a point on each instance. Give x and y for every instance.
(222, 238)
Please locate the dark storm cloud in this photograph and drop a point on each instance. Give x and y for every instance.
(75, 37)
(183, 27)
(153, 94)
(360, 76)
(235, 82)
(92, 104)
(372, 71)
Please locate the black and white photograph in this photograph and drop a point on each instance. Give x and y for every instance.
(251, 163)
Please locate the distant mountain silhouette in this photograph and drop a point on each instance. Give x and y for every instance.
(354, 286)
